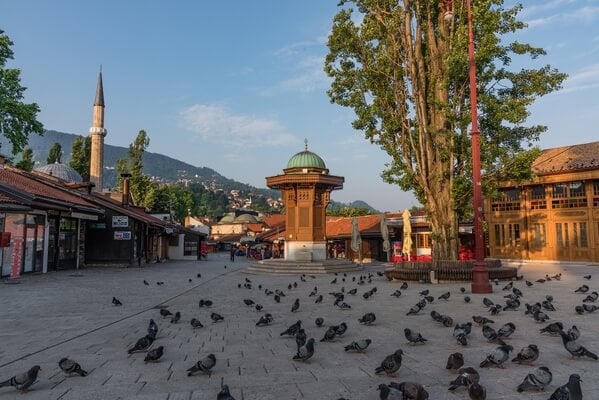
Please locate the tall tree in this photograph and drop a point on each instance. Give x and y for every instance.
(133, 164)
(54, 154)
(80, 156)
(26, 163)
(17, 119)
(403, 69)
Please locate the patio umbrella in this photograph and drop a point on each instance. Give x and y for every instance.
(407, 233)
(385, 234)
(356, 240)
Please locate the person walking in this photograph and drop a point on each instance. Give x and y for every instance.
(232, 253)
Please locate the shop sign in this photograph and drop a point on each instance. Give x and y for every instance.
(17, 256)
(120, 221)
(122, 235)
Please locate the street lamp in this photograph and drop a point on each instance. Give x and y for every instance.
(480, 272)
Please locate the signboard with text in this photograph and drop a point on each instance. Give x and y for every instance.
(120, 221)
(17, 256)
(122, 235)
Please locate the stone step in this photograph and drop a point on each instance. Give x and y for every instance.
(301, 268)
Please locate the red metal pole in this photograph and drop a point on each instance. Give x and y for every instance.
(480, 272)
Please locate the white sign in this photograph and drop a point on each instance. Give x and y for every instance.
(120, 221)
(122, 235)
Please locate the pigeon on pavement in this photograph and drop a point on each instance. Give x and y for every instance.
(482, 320)
(582, 289)
(292, 330)
(391, 364)
(389, 393)
(573, 332)
(506, 330)
(165, 313)
(497, 357)
(330, 334)
(266, 319)
(116, 302)
(569, 391)
(300, 338)
(575, 348)
(553, 328)
(195, 323)
(444, 296)
(527, 355)
(367, 319)
(455, 361)
(142, 344)
(224, 393)
(477, 392)
(153, 329)
(536, 380)
(176, 318)
(340, 329)
(23, 381)
(204, 365)
(413, 337)
(154, 354)
(306, 351)
(358, 345)
(295, 305)
(216, 317)
(319, 321)
(70, 367)
(411, 390)
(466, 377)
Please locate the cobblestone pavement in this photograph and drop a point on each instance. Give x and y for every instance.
(47, 317)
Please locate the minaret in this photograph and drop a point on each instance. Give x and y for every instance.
(97, 133)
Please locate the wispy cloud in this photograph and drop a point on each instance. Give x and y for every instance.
(576, 15)
(218, 124)
(586, 78)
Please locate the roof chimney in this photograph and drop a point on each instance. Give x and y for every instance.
(125, 201)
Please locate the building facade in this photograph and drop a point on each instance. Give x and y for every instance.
(553, 217)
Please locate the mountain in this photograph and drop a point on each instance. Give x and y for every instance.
(160, 167)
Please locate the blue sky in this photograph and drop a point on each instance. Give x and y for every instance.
(237, 85)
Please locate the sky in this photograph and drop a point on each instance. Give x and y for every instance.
(238, 85)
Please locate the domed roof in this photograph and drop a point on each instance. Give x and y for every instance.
(227, 219)
(60, 171)
(306, 159)
(248, 218)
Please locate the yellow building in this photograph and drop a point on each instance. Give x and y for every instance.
(553, 217)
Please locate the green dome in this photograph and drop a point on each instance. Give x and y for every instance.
(306, 159)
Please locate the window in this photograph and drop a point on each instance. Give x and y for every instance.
(561, 233)
(508, 200)
(190, 248)
(509, 238)
(595, 193)
(423, 241)
(537, 198)
(569, 195)
(579, 233)
(539, 238)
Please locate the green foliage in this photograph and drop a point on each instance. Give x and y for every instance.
(349, 212)
(139, 183)
(54, 154)
(404, 70)
(17, 119)
(80, 156)
(26, 163)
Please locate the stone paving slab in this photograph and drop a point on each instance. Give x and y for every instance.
(51, 316)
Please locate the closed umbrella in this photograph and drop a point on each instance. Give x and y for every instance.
(356, 240)
(407, 233)
(385, 234)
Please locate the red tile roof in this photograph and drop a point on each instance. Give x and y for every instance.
(342, 226)
(567, 158)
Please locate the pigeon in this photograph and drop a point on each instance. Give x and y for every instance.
(569, 391)
(589, 307)
(540, 316)
(461, 333)
(204, 365)
(424, 293)
(318, 299)
(430, 299)
(319, 321)
(264, 320)
(344, 306)
(587, 277)
(495, 309)
(415, 309)
(411, 390)
(397, 293)
(529, 283)
(160, 283)
(295, 305)
(487, 302)
(176, 318)
(413, 337)
(466, 377)
(506, 330)
(553, 328)
(404, 286)
(390, 364)
(249, 302)
(199, 275)
(292, 330)
(165, 313)
(216, 317)
(491, 335)
(300, 338)
(367, 319)
(146, 283)
(259, 307)
(527, 355)
(70, 367)
(536, 380)
(573, 332)
(359, 345)
(353, 291)
(366, 295)
(582, 289)
(142, 344)
(334, 281)
(511, 304)
(497, 357)
(547, 305)
(388, 392)
(508, 286)
(444, 296)
(306, 351)
(517, 292)
(23, 381)
(205, 303)
(277, 298)
(116, 302)
(575, 348)
(329, 335)
(467, 299)
(340, 329)
(195, 323)
(591, 298)
(496, 282)
(455, 361)
(540, 280)
(477, 392)
(482, 320)
(152, 329)
(224, 393)
(579, 310)
(154, 354)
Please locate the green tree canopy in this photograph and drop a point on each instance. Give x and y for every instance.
(54, 154)
(17, 119)
(403, 69)
(80, 156)
(139, 183)
(26, 163)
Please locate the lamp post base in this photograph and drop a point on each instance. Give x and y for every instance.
(480, 278)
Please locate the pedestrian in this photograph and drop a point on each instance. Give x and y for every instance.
(232, 253)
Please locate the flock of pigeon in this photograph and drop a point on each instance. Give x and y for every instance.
(467, 378)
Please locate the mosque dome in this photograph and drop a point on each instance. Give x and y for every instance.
(227, 219)
(247, 218)
(306, 159)
(60, 171)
